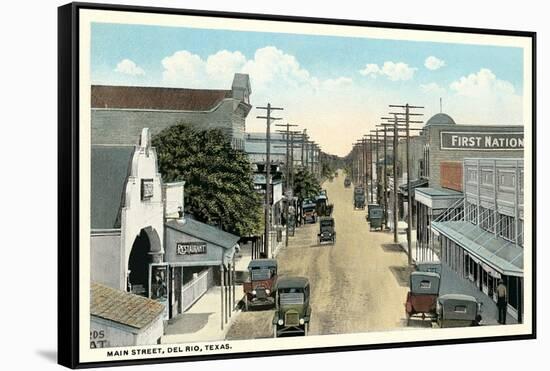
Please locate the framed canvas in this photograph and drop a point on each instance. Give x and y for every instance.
(241, 185)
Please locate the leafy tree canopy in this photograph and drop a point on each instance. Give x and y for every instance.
(306, 185)
(218, 179)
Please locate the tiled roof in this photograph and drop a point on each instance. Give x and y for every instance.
(153, 98)
(122, 307)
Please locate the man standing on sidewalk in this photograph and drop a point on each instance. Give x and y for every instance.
(502, 302)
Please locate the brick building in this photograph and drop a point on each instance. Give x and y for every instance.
(119, 113)
(437, 155)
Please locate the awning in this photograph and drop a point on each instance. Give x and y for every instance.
(496, 252)
(403, 188)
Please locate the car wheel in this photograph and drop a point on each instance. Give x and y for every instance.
(246, 303)
(274, 331)
(306, 329)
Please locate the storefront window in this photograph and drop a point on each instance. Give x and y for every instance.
(513, 292)
(484, 282)
(506, 227)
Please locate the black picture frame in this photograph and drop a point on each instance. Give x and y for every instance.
(69, 181)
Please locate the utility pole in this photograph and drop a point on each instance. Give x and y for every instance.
(267, 208)
(395, 143)
(407, 120)
(304, 138)
(385, 180)
(407, 129)
(370, 169)
(288, 166)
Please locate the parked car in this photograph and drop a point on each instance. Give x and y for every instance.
(422, 295)
(327, 230)
(258, 288)
(375, 216)
(427, 266)
(369, 206)
(359, 197)
(347, 182)
(457, 310)
(292, 309)
(309, 211)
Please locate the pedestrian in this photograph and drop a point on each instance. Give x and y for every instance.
(502, 302)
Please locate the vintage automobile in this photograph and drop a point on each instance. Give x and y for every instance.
(323, 208)
(347, 182)
(457, 310)
(428, 266)
(292, 309)
(327, 231)
(309, 211)
(422, 296)
(258, 289)
(359, 197)
(369, 206)
(376, 217)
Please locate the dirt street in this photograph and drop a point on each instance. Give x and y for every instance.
(358, 285)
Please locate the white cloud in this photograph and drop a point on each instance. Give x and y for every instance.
(433, 63)
(183, 67)
(432, 88)
(482, 83)
(483, 98)
(272, 67)
(394, 71)
(223, 64)
(271, 70)
(371, 69)
(337, 83)
(128, 67)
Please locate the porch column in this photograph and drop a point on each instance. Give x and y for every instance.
(233, 282)
(221, 293)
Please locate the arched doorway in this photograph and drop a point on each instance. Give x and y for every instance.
(138, 264)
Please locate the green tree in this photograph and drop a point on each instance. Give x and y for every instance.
(306, 185)
(327, 171)
(218, 179)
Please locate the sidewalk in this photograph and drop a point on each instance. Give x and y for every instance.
(202, 322)
(452, 283)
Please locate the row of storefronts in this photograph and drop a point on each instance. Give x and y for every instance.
(467, 193)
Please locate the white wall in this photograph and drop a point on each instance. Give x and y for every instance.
(138, 214)
(107, 260)
(105, 333)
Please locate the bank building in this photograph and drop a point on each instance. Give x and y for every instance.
(467, 193)
(146, 254)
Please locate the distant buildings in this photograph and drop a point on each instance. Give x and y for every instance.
(119, 113)
(302, 153)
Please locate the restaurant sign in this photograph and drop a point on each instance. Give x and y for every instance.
(476, 141)
(190, 248)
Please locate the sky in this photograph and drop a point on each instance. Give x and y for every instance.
(335, 87)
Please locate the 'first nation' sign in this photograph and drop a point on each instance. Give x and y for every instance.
(476, 141)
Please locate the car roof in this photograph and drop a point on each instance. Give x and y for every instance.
(323, 218)
(425, 274)
(291, 282)
(262, 263)
(460, 297)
